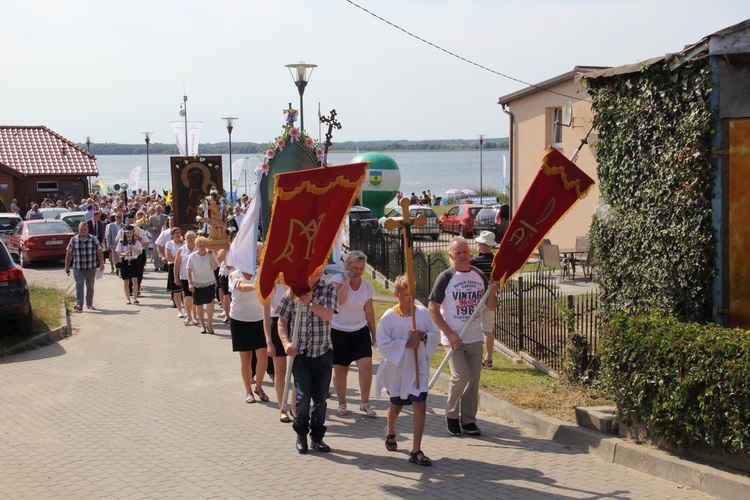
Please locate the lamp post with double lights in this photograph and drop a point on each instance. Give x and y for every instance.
(229, 120)
(301, 77)
(147, 137)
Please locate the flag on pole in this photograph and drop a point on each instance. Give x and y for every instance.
(243, 250)
(558, 185)
(308, 211)
(193, 137)
(235, 180)
(135, 174)
(101, 183)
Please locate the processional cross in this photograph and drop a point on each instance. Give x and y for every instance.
(406, 224)
(332, 122)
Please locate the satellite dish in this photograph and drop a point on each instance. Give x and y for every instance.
(116, 187)
(567, 115)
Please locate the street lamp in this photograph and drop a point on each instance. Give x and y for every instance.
(301, 77)
(481, 147)
(229, 120)
(88, 148)
(183, 113)
(147, 136)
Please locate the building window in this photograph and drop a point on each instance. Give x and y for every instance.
(556, 138)
(47, 186)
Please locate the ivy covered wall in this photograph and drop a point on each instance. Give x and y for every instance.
(653, 234)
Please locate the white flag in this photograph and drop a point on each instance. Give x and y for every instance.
(242, 252)
(194, 132)
(135, 174)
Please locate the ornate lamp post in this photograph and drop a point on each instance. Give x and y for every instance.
(183, 113)
(301, 77)
(88, 148)
(229, 120)
(147, 136)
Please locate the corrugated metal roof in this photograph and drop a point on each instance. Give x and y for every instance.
(539, 87)
(37, 150)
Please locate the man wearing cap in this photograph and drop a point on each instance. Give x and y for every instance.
(483, 262)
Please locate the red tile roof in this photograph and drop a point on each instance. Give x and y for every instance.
(37, 150)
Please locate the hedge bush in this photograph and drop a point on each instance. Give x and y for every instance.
(688, 382)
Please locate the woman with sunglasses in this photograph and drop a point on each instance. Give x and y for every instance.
(202, 282)
(129, 249)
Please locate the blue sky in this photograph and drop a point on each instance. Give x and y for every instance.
(114, 69)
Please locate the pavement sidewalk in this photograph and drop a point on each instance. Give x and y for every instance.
(136, 405)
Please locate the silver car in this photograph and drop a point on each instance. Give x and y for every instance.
(430, 229)
(8, 222)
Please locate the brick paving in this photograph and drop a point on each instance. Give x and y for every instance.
(136, 405)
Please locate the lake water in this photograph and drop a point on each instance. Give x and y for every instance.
(437, 171)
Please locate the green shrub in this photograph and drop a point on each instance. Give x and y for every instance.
(687, 382)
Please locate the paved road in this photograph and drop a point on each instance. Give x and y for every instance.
(135, 405)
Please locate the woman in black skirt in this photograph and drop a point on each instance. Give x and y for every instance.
(129, 248)
(170, 252)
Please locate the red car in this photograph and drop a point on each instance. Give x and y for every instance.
(42, 239)
(459, 219)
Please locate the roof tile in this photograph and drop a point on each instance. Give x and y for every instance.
(37, 150)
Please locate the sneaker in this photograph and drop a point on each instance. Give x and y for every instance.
(454, 429)
(180, 315)
(91, 307)
(77, 308)
(472, 429)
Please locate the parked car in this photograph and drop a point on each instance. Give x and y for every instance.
(15, 306)
(431, 229)
(72, 219)
(459, 219)
(34, 240)
(8, 222)
(53, 212)
(493, 218)
(362, 214)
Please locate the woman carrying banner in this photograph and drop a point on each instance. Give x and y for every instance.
(353, 331)
(202, 282)
(181, 276)
(129, 249)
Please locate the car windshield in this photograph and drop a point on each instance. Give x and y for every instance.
(361, 215)
(8, 223)
(51, 227)
(428, 212)
(487, 212)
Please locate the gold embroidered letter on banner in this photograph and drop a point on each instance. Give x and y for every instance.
(309, 231)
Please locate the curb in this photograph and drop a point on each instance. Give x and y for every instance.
(658, 463)
(45, 338)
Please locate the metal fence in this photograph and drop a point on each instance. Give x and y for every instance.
(533, 316)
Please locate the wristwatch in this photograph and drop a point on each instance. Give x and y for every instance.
(309, 304)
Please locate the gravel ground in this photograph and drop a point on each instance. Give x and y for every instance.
(48, 274)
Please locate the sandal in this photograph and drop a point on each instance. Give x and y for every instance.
(284, 417)
(203, 330)
(262, 395)
(365, 407)
(196, 322)
(419, 458)
(487, 363)
(249, 398)
(343, 411)
(390, 442)
(187, 322)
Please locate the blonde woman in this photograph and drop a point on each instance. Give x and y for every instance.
(353, 331)
(202, 282)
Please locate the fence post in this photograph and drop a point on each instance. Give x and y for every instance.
(520, 313)
(571, 316)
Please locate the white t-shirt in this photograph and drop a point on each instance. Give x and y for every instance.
(184, 255)
(458, 294)
(245, 306)
(172, 247)
(351, 315)
(203, 275)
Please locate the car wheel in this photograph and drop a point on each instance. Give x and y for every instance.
(24, 324)
(25, 262)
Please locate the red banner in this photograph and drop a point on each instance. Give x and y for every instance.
(308, 211)
(558, 185)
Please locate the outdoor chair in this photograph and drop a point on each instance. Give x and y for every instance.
(551, 259)
(536, 258)
(588, 265)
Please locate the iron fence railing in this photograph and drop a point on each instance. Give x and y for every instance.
(533, 316)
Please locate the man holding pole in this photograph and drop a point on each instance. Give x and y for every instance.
(456, 294)
(313, 357)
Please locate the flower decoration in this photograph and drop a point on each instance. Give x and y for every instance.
(310, 143)
(280, 143)
(294, 134)
(262, 168)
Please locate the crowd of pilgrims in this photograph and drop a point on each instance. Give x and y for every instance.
(137, 231)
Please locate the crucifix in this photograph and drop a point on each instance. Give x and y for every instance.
(406, 224)
(332, 122)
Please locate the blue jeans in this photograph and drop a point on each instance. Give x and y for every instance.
(312, 378)
(87, 277)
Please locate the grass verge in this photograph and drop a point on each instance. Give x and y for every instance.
(45, 304)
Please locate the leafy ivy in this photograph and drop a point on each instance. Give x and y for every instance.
(653, 234)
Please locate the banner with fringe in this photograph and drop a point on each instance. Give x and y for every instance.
(308, 211)
(558, 185)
